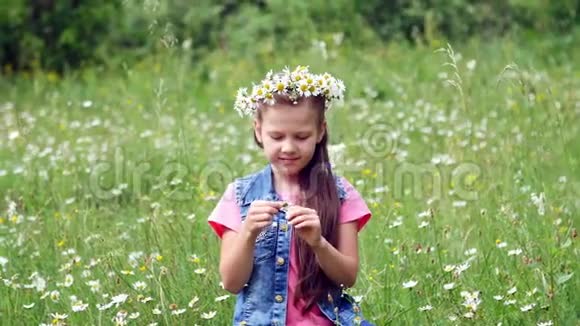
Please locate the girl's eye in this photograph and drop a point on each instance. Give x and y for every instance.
(302, 137)
(276, 137)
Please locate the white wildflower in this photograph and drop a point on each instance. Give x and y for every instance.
(449, 286)
(139, 285)
(540, 202)
(528, 307)
(222, 298)
(193, 302)
(95, 285)
(410, 284)
(515, 252)
(449, 268)
(119, 299)
(471, 64)
(208, 315)
(545, 323)
(68, 280)
(79, 306)
(55, 296)
(425, 308)
(470, 252)
(177, 312)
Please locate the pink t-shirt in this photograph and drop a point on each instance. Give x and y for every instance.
(226, 215)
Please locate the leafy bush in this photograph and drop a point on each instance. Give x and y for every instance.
(459, 19)
(59, 34)
(55, 34)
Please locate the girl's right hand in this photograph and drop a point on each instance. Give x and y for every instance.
(260, 215)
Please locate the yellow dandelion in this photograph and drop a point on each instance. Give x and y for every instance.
(61, 243)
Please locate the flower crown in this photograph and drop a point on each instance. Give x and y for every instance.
(295, 84)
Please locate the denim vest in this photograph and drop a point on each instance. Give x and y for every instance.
(263, 300)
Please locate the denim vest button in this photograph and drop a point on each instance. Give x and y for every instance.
(279, 298)
(284, 227)
(280, 261)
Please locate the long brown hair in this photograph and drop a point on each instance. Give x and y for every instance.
(321, 194)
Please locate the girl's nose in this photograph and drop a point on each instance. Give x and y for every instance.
(288, 147)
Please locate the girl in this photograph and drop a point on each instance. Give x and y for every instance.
(289, 232)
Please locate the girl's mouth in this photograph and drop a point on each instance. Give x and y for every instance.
(288, 159)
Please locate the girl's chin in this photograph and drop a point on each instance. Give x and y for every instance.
(288, 169)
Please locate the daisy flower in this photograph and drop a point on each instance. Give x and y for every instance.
(410, 284)
(208, 315)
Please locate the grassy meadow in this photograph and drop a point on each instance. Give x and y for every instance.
(468, 158)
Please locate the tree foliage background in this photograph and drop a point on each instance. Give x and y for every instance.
(66, 34)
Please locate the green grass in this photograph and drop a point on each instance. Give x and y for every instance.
(140, 169)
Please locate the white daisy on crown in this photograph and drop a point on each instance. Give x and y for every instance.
(294, 84)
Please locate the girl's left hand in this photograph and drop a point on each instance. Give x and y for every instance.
(306, 224)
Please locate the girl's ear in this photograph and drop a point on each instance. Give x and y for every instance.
(322, 131)
(258, 130)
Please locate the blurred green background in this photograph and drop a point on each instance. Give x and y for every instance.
(66, 34)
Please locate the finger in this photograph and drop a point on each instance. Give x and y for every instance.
(263, 217)
(256, 218)
(266, 203)
(277, 204)
(270, 207)
(263, 225)
(260, 202)
(297, 211)
(303, 212)
(263, 209)
(300, 219)
(297, 220)
(306, 224)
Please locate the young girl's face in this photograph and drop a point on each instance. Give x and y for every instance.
(289, 134)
